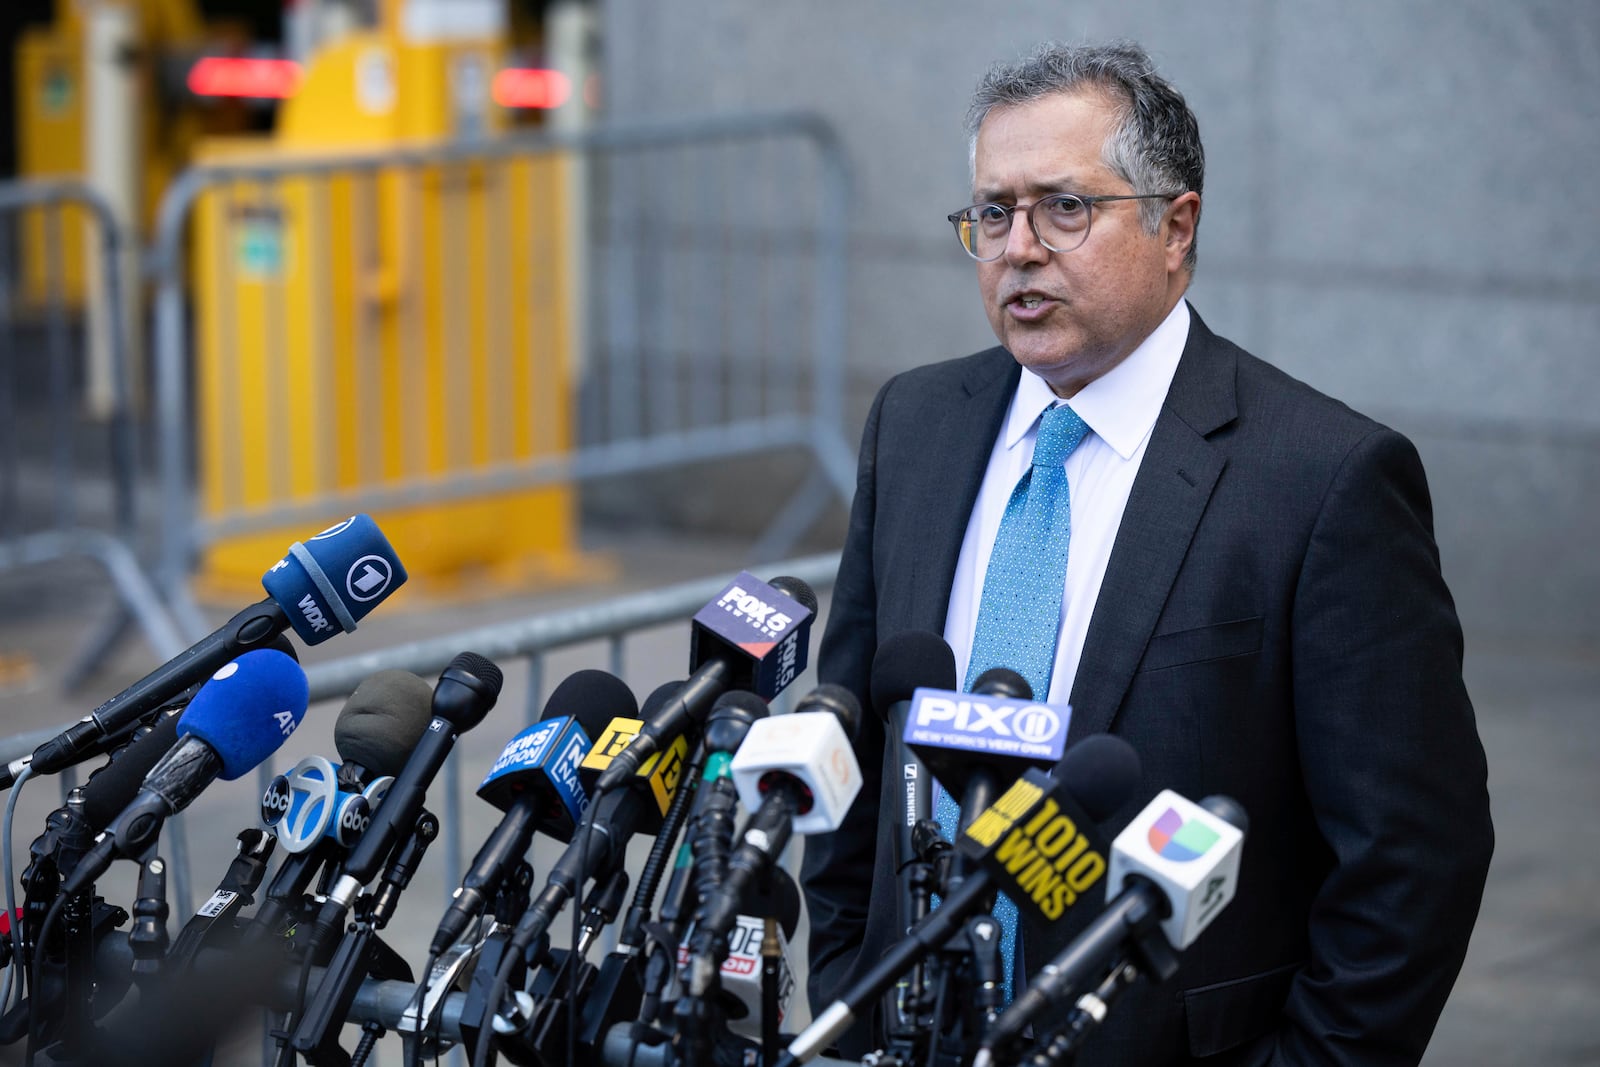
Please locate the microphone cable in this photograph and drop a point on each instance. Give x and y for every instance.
(502, 977)
(18, 961)
(414, 1058)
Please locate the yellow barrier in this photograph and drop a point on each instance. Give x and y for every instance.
(385, 329)
(49, 112)
(387, 325)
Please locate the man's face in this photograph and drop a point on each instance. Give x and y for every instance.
(1096, 303)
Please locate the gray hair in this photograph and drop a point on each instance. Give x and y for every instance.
(1156, 145)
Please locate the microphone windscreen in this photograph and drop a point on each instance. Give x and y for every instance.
(330, 582)
(796, 589)
(730, 720)
(594, 698)
(1101, 773)
(113, 787)
(382, 721)
(657, 699)
(248, 709)
(908, 661)
(836, 699)
(481, 673)
(781, 900)
(1003, 682)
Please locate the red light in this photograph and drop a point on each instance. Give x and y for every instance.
(531, 87)
(271, 79)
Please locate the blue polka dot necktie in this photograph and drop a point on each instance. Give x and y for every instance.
(1019, 617)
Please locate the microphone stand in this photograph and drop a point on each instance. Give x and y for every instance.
(214, 921)
(361, 953)
(1147, 953)
(771, 974)
(53, 855)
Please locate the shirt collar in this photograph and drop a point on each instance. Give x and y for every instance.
(1121, 405)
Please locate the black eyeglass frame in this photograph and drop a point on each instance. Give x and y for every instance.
(1088, 202)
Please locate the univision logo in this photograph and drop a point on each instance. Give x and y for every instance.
(1178, 840)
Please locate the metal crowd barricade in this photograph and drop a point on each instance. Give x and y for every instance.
(528, 640)
(67, 473)
(704, 289)
(531, 639)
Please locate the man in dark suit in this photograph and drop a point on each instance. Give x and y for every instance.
(1252, 596)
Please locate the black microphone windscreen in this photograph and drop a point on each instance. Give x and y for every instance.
(282, 643)
(837, 699)
(781, 900)
(1101, 772)
(382, 721)
(740, 702)
(480, 667)
(113, 787)
(908, 661)
(1003, 682)
(731, 718)
(594, 698)
(795, 589)
(658, 696)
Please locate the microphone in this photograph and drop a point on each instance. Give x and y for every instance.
(377, 728)
(466, 691)
(903, 664)
(613, 817)
(740, 974)
(237, 719)
(906, 662)
(380, 725)
(319, 800)
(113, 786)
(1173, 869)
(797, 774)
(535, 782)
(1094, 778)
(752, 636)
(712, 820)
(974, 742)
(320, 588)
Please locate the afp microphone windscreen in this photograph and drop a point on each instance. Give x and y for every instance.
(247, 709)
(331, 581)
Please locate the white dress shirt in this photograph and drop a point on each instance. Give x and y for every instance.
(1120, 408)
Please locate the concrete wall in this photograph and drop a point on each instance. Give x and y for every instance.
(1400, 208)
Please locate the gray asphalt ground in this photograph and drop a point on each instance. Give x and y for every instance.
(1530, 990)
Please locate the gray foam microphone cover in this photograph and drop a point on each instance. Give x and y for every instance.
(383, 720)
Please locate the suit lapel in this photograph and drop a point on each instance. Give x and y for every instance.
(964, 429)
(1170, 493)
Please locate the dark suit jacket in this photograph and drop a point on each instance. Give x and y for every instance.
(1272, 625)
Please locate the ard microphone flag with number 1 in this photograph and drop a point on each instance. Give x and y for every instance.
(321, 588)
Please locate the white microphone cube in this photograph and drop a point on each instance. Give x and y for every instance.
(1191, 854)
(810, 747)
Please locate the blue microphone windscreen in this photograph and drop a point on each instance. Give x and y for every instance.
(247, 709)
(330, 582)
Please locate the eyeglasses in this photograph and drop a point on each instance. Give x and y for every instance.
(1060, 222)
